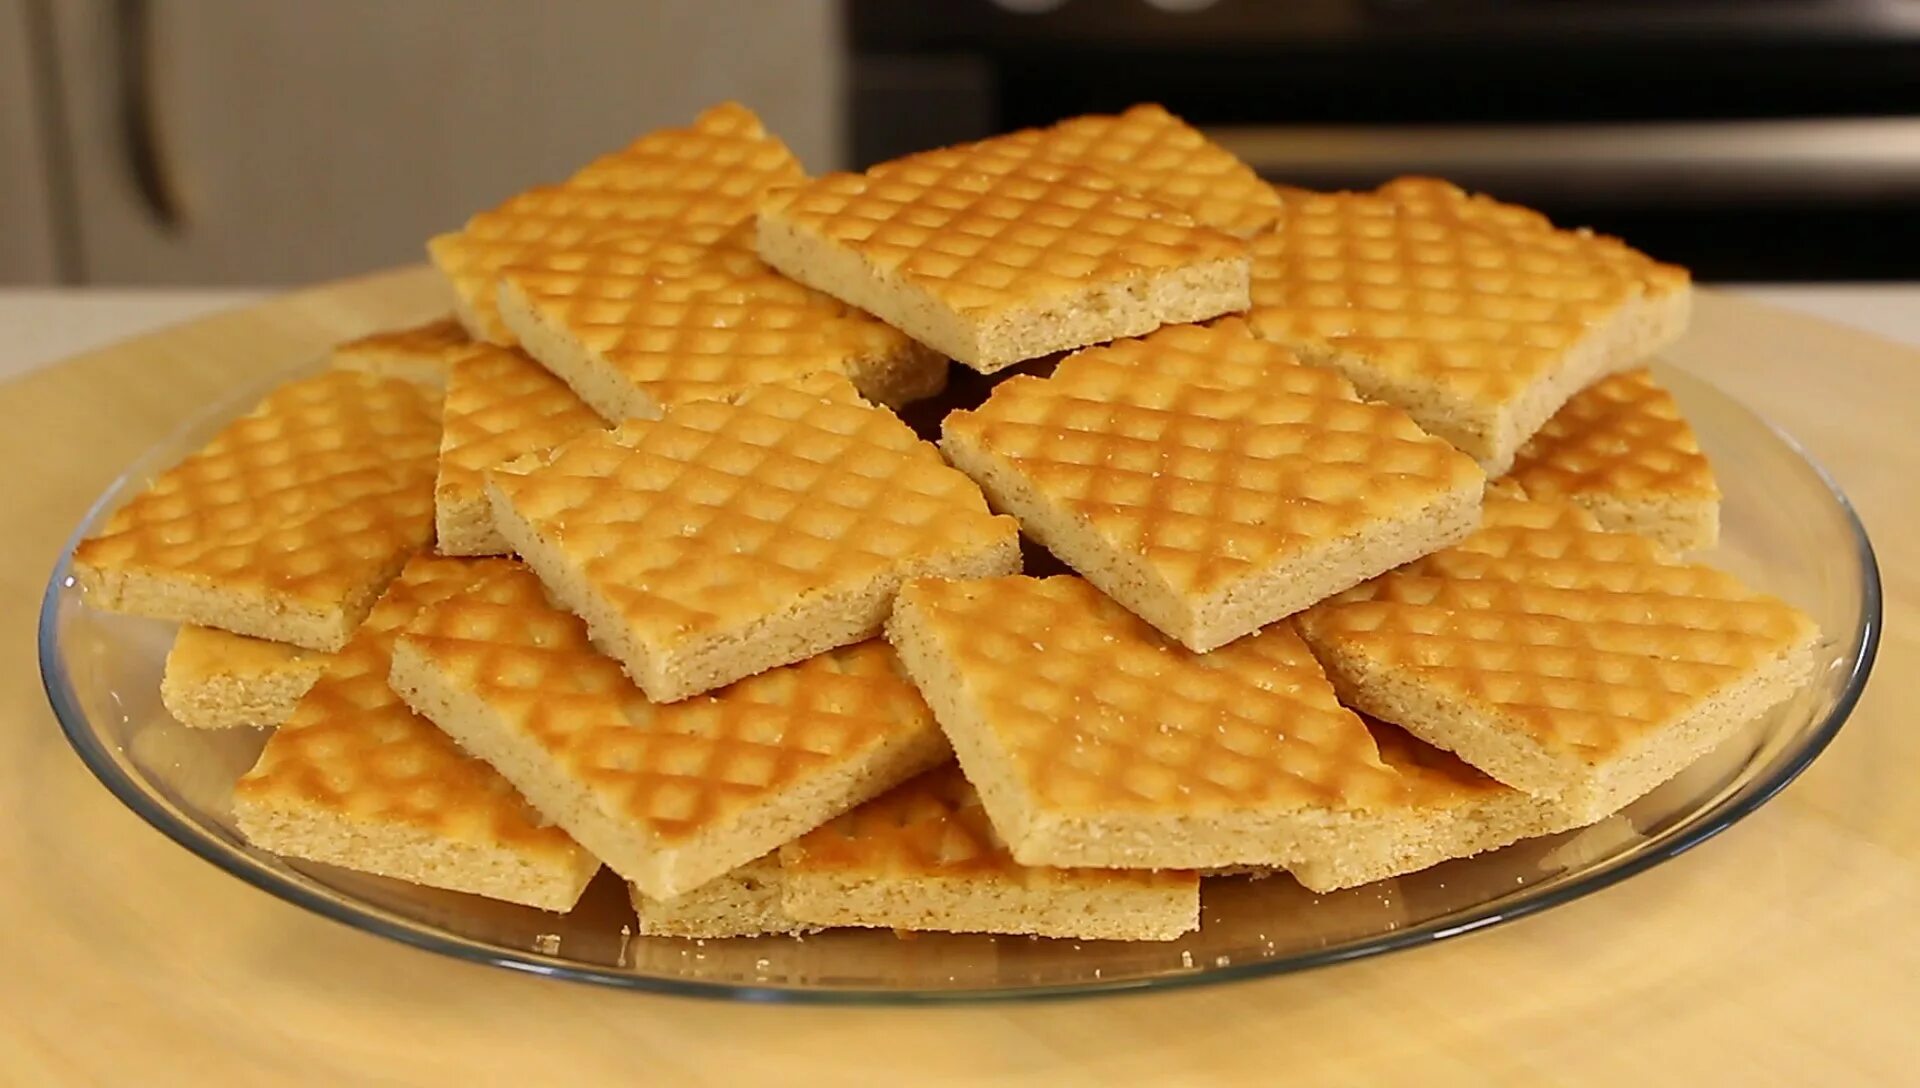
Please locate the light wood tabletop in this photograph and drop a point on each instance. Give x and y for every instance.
(1786, 950)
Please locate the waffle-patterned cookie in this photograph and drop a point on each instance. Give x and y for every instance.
(710, 174)
(419, 353)
(925, 857)
(288, 523)
(531, 227)
(1569, 662)
(1209, 482)
(1451, 811)
(1622, 449)
(1156, 155)
(219, 680)
(500, 406)
(635, 335)
(1479, 318)
(727, 538)
(1095, 741)
(1657, 280)
(742, 903)
(353, 778)
(572, 228)
(671, 796)
(992, 261)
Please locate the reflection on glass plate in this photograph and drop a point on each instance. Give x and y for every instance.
(1786, 529)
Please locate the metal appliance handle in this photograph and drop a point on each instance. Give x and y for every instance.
(140, 141)
(1695, 161)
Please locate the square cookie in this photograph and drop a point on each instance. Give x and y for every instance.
(1576, 664)
(924, 857)
(634, 334)
(1451, 811)
(1479, 318)
(215, 679)
(288, 523)
(1155, 155)
(1210, 482)
(419, 353)
(500, 406)
(711, 173)
(991, 261)
(728, 538)
(742, 903)
(671, 796)
(1096, 741)
(354, 778)
(1621, 449)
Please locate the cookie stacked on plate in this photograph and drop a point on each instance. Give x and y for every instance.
(633, 562)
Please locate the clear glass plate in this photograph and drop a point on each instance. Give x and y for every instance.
(1786, 528)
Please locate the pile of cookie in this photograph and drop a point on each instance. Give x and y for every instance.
(1352, 524)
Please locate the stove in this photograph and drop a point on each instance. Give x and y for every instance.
(1749, 139)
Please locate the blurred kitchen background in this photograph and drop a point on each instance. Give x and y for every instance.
(262, 142)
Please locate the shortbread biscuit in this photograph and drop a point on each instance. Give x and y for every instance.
(924, 857)
(671, 796)
(1096, 741)
(216, 679)
(742, 903)
(288, 523)
(353, 778)
(500, 406)
(991, 262)
(1158, 156)
(711, 173)
(635, 335)
(1210, 482)
(1575, 664)
(1479, 318)
(729, 538)
(1621, 449)
(1452, 811)
(419, 353)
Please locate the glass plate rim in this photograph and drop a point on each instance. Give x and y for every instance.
(241, 863)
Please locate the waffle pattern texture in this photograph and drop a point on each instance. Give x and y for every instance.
(288, 523)
(1621, 449)
(1567, 661)
(671, 796)
(991, 261)
(354, 778)
(1209, 482)
(713, 172)
(1480, 318)
(727, 538)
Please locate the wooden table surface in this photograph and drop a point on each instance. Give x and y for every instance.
(1784, 951)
